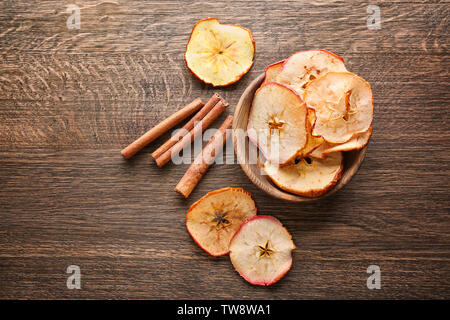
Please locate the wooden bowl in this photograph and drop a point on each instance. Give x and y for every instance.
(352, 159)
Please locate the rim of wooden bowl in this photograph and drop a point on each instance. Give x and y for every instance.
(352, 159)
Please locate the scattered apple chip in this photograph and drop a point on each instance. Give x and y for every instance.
(219, 54)
(213, 220)
(261, 251)
(343, 103)
(303, 67)
(277, 122)
(272, 72)
(309, 177)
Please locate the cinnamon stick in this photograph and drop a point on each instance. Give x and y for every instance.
(161, 128)
(188, 126)
(203, 161)
(188, 138)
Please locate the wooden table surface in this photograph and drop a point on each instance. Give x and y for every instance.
(71, 99)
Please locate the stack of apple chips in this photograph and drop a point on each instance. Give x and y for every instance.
(308, 111)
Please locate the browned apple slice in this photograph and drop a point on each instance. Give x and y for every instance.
(213, 220)
(343, 106)
(261, 250)
(219, 54)
(303, 67)
(309, 177)
(277, 122)
(272, 71)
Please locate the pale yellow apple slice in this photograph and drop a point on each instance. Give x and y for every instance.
(309, 177)
(219, 54)
(303, 67)
(277, 122)
(261, 251)
(213, 220)
(272, 71)
(343, 106)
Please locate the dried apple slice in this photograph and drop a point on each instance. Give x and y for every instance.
(213, 220)
(343, 106)
(219, 54)
(309, 177)
(261, 250)
(277, 122)
(303, 67)
(272, 71)
(313, 142)
(318, 153)
(355, 143)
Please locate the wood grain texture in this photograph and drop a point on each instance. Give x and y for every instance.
(70, 100)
